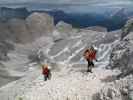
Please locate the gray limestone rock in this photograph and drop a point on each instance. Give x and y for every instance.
(64, 29)
(40, 24)
(127, 28)
(97, 28)
(117, 90)
(121, 56)
(20, 30)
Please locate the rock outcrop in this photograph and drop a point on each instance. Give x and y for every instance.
(57, 35)
(22, 36)
(5, 47)
(64, 29)
(118, 90)
(40, 24)
(5, 32)
(97, 28)
(121, 56)
(20, 31)
(127, 28)
(25, 31)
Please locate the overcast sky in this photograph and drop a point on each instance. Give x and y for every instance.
(73, 5)
(89, 2)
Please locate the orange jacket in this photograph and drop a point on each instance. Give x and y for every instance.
(45, 71)
(90, 55)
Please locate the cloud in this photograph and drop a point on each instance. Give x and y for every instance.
(69, 5)
(76, 2)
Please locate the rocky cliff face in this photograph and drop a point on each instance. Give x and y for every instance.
(121, 56)
(24, 31)
(40, 24)
(20, 31)
(127, 28)
(117, 90)
(19, 39)
(122, 53)
(63, 27)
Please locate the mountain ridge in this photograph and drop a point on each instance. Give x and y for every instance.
(111, 22)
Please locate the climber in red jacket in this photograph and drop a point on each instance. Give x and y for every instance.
(90, 55)
(46, 72)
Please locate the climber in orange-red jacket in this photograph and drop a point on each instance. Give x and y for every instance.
(90, 55)
(46, 72)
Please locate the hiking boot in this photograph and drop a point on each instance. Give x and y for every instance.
(89, 71)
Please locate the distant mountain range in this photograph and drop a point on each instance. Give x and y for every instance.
(112, 21)
(8, 13)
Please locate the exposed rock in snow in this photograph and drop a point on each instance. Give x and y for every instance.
(40, 24)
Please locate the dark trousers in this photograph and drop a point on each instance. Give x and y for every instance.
(46, 77)
(90, 65)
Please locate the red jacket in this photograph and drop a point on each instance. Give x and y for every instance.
(45, 71)
(90, 55)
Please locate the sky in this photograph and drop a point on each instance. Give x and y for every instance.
(74, 5)
(82, 2)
